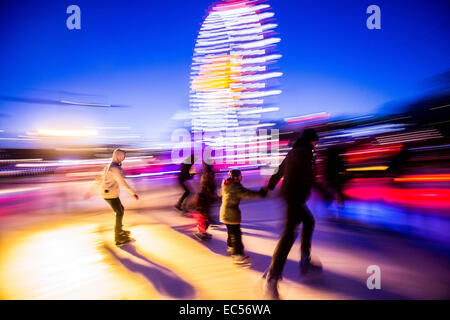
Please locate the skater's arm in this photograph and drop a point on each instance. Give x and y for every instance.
(245, 193)
(275, 178)
(119, 177)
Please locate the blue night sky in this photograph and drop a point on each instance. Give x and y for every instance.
(138, 54)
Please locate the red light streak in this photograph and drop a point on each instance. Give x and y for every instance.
(430, 198)
(309, 118)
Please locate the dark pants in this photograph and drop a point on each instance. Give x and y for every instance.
(234, 239)
(297, 212)
(186, 193)
(118, 208)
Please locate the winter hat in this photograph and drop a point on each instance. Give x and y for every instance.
(307, 137)
(118, 156)
(234, 173)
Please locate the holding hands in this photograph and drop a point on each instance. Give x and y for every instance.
(264, 192)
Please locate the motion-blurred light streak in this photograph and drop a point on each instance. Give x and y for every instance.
(370, 168)
(85, 104)
(63, 133)
(17, 190)
(231, 67)
(424, 178)
(321, 115)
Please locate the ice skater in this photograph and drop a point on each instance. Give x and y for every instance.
(298, 173)
(230, 214)
(185, 175)
(335, 174)
(203, 201)
(109, 183)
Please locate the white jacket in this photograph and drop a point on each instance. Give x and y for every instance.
(113, 177)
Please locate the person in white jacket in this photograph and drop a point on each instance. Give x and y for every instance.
(109, 189)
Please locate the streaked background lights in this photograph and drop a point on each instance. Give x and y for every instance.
(233, 67)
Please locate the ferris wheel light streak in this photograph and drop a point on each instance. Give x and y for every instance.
(233, 67)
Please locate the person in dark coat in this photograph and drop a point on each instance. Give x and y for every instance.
(184, 176)
(203, 201)
(230, 213)
(297, 170)
(335, 173)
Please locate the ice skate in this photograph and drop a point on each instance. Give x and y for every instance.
(241, 260)
(202, 236)
(270, 289)
(123, 238)
(186, 213)
(310, 268)
(266, 273)
(178, 207)
(124, 241)
(123, 234)
(208, 235)
(126, 232)
(229, 251)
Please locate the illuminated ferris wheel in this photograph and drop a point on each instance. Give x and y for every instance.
(233, 68)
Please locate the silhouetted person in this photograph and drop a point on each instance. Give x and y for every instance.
(298, 173)
(398, 162)
(335, 173)
(184, 176)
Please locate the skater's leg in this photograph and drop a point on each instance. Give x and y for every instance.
(231, 238)
(205, 223)
(118, 208)
(235, 239)
(119, 217)
(306, 265)
(201, 222)
(229, 244)
(207, 216)
(186, 193)
(285, 243)
(239, 246)
(307, 232)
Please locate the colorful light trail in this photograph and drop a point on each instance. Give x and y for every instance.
(233, 67)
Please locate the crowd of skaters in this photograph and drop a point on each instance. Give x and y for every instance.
(297, 172)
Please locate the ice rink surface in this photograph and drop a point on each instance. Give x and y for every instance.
(56, 245)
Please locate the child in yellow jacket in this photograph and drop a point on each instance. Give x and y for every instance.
(230, 214)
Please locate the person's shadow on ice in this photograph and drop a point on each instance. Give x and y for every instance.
(162, 279)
